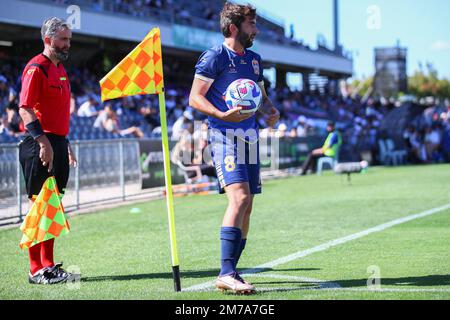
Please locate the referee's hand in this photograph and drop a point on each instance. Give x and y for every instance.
(45, 152)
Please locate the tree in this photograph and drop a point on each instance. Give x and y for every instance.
(424, 84)
(361, 87)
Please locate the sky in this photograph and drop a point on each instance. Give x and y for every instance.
(422, 26)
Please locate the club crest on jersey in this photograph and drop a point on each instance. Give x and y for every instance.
(255, 65)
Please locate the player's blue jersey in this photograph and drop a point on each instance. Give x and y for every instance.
(221, 66)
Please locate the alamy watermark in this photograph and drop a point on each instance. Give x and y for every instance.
(373, 21)
(374, 280)
(237, 146)
(74, 18)
(74, 280)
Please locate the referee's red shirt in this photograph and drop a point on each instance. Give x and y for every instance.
(46, 89)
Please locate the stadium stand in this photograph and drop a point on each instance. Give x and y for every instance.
(303, 113)
(200, 14)
(363, 123)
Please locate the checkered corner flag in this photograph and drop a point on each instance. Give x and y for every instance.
(46, 219)
(141, 72)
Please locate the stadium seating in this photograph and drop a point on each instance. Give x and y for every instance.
(399, 155)
(362, 129)
(388, 154)
(199, 14)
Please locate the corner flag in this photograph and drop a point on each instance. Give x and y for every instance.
(46, 219)
(141, 72)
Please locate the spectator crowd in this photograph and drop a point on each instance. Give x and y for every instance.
(426, 137)
(201, 14)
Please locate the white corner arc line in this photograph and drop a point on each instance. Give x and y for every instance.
(321, 283)
(329, 244)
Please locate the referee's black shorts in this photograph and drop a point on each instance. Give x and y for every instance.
(34, 172)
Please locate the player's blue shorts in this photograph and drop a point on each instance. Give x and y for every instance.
(236, 160)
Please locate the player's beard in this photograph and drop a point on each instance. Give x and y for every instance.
(60, 54)
(244, 39)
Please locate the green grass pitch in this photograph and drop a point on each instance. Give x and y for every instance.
(124, 255)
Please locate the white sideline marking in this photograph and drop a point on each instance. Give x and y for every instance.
(328, 286)
(322, 283)
(436, 290)
(327, 245)
(390, 289)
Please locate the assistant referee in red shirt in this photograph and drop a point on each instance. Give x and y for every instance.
(45, 110)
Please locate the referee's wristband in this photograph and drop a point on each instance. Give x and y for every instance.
(35, 129)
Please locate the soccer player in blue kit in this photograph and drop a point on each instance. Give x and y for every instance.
(238, 171)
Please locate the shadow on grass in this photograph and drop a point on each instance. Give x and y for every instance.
(162, 275)
(210, 273)
(429, 280)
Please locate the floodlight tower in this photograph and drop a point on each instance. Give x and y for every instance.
(336, 25)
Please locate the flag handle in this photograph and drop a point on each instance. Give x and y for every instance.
(176, 278)
(169, 195)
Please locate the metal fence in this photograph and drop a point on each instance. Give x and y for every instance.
(11, 182)
(107, 170)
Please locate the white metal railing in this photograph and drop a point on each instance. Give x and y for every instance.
(107, 170)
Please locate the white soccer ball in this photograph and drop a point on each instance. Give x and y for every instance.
(243, 93)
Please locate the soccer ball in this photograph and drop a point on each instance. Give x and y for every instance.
(243, 93)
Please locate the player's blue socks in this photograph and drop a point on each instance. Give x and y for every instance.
(241, 248)
(230, 238)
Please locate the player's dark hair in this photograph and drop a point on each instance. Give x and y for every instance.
(234, 14)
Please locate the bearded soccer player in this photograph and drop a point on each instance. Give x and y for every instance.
(45, 151)
(240, 180)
